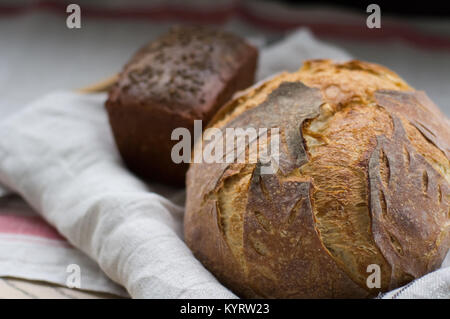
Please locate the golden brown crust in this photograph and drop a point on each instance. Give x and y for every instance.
(338, 164)
(285, 257)
(184, 75)
(425, 125)
(208, 230)
(409, 208)
(313, 228)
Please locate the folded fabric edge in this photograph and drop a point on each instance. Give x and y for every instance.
(4, 191)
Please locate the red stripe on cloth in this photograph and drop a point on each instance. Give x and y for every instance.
(28, 225)
(222, 13)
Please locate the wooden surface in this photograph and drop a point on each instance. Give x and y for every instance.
(13, 288)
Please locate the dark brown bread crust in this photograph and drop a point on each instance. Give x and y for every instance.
(185, 75)
(274, 235)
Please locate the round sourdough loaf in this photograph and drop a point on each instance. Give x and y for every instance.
(362, 187)
(184, 75)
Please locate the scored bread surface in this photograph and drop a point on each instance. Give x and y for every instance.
(363, 180)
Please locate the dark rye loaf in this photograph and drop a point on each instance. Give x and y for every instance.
(184, 75)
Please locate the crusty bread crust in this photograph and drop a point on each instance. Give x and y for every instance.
(364, 179)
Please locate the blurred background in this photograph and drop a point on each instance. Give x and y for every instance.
(39, 53)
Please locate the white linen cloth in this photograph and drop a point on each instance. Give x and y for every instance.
(435, 285)
(31, 249)
(59, 155)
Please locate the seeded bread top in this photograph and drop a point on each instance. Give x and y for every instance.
(182, 71)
